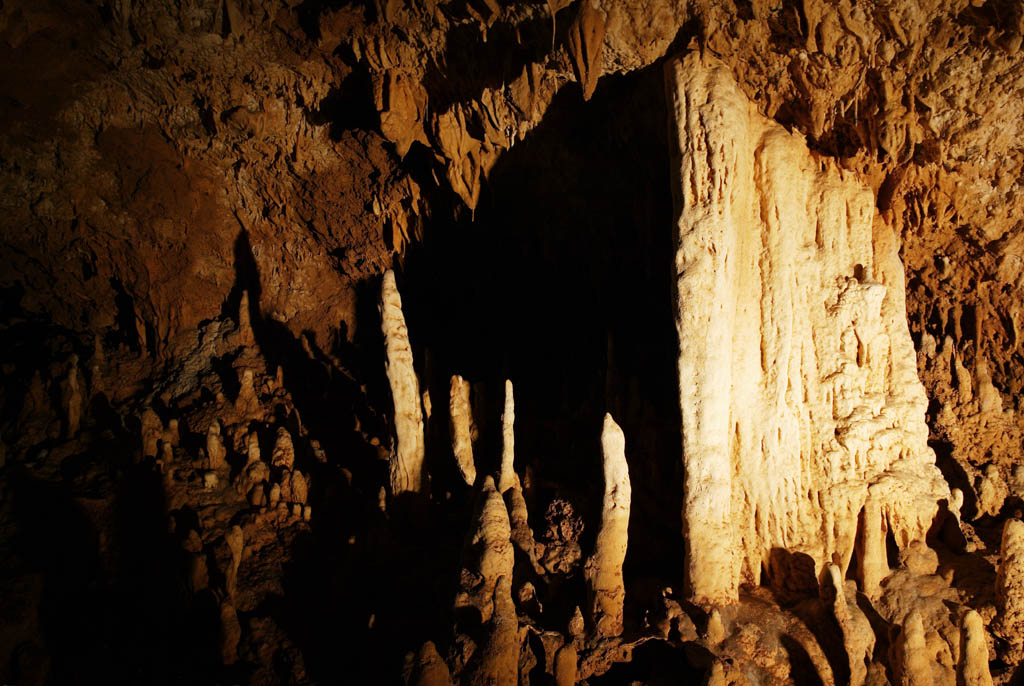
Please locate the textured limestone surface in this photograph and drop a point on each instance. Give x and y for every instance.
(797, 377)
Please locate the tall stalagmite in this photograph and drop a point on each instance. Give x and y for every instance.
(461, 415)
(797, 375)
(407, 460)
(604, 568)
(507, 477)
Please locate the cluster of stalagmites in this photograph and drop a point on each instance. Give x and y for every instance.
(805, 448)
(211, 457)
(495, 596)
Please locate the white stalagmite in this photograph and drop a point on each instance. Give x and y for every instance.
(407, 460)
(797, 375)
(604, 568)
(461, 415)
(974, 653)
(507, 477)
(489, 553)
(913, 665)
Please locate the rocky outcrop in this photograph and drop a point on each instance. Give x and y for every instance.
(797, 376)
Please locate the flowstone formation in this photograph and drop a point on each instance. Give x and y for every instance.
(801, 407)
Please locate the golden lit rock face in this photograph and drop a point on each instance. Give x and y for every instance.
(797, 377)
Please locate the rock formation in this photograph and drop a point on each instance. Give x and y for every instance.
(245, 333)
(496, 660)
(604, 568)
(216, 453)
(152, 429)
(797, 375)
(912, 663)
(284, 450)
(858, 637)
(461, 418)
(507, 475)
(407, 461)
(429, 669)
(1010, 588)
(488, 556)
(974, 653)
(72, 400)
(202, 195)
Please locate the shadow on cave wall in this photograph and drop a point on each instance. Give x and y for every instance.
(561, 282)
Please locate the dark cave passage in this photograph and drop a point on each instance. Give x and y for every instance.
(561, 282)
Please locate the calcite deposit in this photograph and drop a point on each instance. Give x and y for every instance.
(407, 460)
(779, 242)
(800, 400)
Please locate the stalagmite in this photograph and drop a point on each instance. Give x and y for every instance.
(71, 400)
(715, 632)
(247, 400)
(507, 476)
(489, 554)
(235, 539)
(461, 415)
(1010, 588)
(604, 568)
(497, 658)
(215, 450)
(974, 653)
(230, 634)
(565, 665)
(992, 491)
(858, 637)
(797, 375)
(872, 560)
(246, 337)
(171, 435)
(284, 450)
(300, 488)
(152, 430)
(522, 534)
(407, 460)
(252, 447)
(913, 665)
(429, 669)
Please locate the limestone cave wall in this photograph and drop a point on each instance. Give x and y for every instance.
(225, 456)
